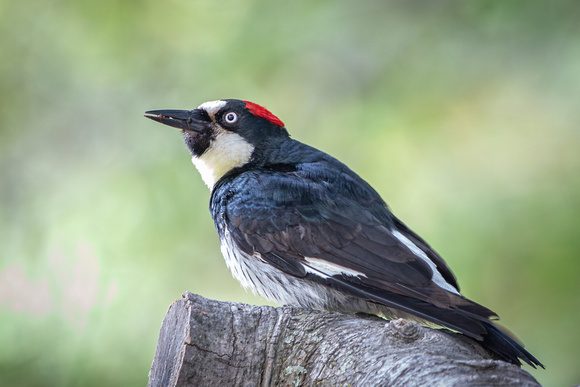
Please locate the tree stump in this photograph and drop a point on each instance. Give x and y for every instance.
(211, 343)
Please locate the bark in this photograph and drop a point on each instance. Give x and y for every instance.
(211, 343)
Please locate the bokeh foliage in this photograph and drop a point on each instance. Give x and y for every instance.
(463, 115)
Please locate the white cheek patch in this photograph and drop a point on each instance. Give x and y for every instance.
(227, 151)
(212, 107)
(327, 269)
(437, 277)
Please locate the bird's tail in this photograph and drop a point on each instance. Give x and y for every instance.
(467, 317)
(507, 348)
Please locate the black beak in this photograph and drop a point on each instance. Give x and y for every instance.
(188, 120)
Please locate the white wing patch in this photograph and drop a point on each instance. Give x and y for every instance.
(227, 150)
(327, 269)
(212, 107)
(437, 277)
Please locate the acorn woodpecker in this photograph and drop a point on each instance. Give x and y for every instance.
(300, 228)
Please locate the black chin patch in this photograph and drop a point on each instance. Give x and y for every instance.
(197, 143)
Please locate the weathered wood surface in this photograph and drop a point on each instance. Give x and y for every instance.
(210, 343)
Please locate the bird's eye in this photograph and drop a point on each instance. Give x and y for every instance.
(231, 117)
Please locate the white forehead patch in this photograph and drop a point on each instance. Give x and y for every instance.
(212, 107)
(227, 151)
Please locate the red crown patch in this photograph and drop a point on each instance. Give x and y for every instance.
(261, 111)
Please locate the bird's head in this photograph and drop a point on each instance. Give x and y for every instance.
(225, 134)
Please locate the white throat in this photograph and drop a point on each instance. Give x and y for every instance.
(227, 151)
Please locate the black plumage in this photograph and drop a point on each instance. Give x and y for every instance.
(300, 227)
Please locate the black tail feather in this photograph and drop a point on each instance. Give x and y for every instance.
(507, 348)
(473, 321)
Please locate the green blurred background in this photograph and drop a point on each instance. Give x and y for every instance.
(463, 115)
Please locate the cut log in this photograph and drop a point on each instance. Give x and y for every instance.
(211, 343)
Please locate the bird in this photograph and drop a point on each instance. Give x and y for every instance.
(300, 228)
